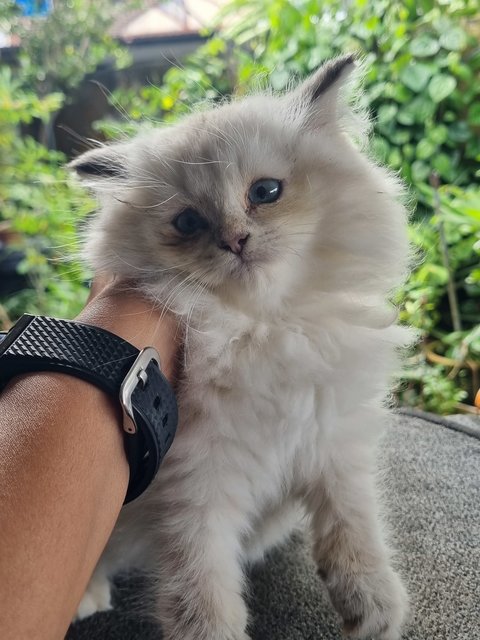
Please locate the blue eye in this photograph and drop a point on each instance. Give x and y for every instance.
(265, 191)
(189, 221)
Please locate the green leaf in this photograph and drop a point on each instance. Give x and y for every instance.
(400, 93)
(435, 273)
(462, 71)
(406, 116)
(395, 159)
(372, 23)
(420, 171)
(443, 165)
(474, 276)
(441, 86)
(400, 136)
(408, 151)
(425, 149)
(438, 134)
(455, 39)
(380, 148)
(474, 114)
(424, 46)
(416, 75)
(387, 113)
(417, 111)
(459, 132)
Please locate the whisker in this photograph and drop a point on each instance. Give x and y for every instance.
(195, 163)
(111, 98)
(151, 206)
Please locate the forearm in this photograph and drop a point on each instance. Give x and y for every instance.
(63, 476)
(61, 489)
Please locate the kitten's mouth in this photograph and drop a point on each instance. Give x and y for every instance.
(242, 264)
(246, 265)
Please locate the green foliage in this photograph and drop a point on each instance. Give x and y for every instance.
(445, 370)
(422, 82)
(37, 207)
(40, 210)
(424, 296)
(60, 49)
(429, 388)
(422, 86)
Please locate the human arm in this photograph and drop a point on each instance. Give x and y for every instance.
(63, 476)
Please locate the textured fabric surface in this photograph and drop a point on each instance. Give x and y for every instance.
(433, 497)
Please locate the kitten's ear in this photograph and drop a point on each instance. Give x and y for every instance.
(101, 163)
(316, 99)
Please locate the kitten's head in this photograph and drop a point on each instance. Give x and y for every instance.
(240, 198)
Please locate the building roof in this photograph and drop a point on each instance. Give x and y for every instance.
(166, 19)
(156, 20)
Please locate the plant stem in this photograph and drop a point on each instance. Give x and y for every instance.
(452, 294)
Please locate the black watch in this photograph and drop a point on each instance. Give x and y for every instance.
(37, 343)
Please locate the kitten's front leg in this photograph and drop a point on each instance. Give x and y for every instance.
(351, 556)
(97, 596)
(199, 587)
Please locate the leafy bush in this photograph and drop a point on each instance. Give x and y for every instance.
(422, 83)
(445, 370)
(422, 87)
(70, 42)
(37, 207)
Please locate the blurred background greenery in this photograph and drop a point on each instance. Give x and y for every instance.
(422, 88)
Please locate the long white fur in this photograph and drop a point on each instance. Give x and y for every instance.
(287, 361)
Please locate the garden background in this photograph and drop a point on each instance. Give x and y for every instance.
(422, 87)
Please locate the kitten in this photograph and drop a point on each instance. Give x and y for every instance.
(276, 241)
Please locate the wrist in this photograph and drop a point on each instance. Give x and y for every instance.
(96, 355)
(135, 320)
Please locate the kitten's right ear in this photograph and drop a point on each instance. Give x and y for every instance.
(101, 163)
(315, 101)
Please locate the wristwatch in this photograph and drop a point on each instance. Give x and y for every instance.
(149, 407)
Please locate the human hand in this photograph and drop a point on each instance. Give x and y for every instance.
(117, 307)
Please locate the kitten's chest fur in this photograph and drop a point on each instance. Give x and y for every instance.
(267, 388)
(240, 356)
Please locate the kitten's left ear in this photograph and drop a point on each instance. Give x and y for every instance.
(96, 165)
(315, 101)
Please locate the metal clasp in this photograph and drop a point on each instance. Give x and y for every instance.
(137, 375)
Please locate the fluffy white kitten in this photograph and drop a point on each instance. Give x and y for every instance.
(276, 242)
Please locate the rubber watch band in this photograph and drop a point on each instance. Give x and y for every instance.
(37, 343)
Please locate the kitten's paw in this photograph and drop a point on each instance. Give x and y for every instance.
(211, 625)
(96, 598)
(372, 605)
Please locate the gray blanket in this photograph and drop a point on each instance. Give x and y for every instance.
(433, 497)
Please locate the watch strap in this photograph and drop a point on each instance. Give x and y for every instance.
(38, 343)
(41, 343)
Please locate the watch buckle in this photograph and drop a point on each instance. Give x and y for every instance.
(137, 375)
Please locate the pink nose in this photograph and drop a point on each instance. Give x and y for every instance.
(236, 244)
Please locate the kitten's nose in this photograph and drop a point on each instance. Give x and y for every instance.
(236, 244)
